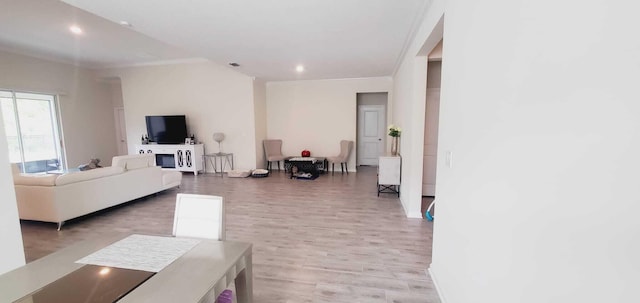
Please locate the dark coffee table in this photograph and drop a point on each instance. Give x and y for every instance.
(305, 167)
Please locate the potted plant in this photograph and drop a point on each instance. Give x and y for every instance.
(394, 132)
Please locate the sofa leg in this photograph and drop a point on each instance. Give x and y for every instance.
(60, 225)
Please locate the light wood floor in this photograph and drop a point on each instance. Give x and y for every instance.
(327, 240)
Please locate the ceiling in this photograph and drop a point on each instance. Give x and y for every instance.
(268, 38)
(40, 28)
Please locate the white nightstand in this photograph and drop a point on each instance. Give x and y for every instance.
(389, 168)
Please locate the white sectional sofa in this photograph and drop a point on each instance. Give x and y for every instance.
(57, 198)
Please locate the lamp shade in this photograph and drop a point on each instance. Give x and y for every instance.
(218, 137)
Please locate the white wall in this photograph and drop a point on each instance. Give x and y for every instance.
(434, 71)
(260, 112)
(116, 93)
(317, 114)
(372, 99)
(436, 52)
(12, 255)
(541, 201)
(85, 104)
(213, 97)
(409, 108)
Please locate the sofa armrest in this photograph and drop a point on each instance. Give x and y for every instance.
(35, 180)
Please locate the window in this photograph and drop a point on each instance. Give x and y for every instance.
(31, 126)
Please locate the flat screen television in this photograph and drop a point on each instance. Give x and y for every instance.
(167, 129)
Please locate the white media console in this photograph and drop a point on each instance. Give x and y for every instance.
(180, 157)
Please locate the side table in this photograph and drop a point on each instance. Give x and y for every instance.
(321, 164)
(225, 158)
(389, 174)
(311, 165)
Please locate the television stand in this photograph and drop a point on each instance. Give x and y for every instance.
(180, 157)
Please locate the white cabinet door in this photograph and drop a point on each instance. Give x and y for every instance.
(389, 170)
(187, 158)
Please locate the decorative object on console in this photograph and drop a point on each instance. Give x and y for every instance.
(93, 163)
(219, 137)
(306, 153)
(394, 132)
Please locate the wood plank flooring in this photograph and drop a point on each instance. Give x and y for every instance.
(327, 240)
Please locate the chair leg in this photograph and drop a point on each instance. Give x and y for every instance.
(333, 168)
(342, 168)
(346, 168)
(278, 165)
(269, 165)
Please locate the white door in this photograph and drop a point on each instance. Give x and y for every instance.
(121, 131)
(430, 142)
(371, 133)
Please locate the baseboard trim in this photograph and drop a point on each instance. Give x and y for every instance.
(435, 283)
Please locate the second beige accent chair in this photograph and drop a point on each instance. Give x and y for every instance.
(273, 151)
(345, 151)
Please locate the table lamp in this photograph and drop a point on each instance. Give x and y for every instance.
(218, 137)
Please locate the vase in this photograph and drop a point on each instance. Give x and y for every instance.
(394, 146)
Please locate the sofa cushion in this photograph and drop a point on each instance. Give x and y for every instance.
(31, 179)
(89, 175)
(131, 162)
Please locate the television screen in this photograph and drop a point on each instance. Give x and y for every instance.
(167, 129)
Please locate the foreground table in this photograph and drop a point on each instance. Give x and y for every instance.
(201, 273)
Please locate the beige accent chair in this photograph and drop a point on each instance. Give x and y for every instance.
(273, 151)
(343, 157)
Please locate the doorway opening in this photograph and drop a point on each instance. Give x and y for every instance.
(117, 102)
(431, 122)
(371, 127)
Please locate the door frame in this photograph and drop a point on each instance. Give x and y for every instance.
(119, 130)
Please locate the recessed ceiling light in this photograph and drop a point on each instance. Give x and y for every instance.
(126, 24)
(234, 64)
(299, 68)
(75, 29)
